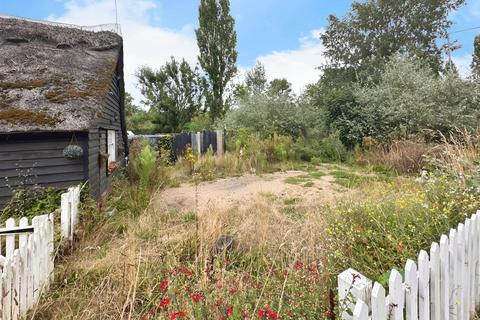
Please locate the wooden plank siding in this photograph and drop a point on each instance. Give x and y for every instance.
(37, 159)
(111, 118)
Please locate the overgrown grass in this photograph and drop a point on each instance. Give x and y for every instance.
(285, 254)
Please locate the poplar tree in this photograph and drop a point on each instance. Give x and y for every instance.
(475, 66)
(217, 41)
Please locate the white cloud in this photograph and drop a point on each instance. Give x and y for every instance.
(144, 43)
(463, 65)
(299, 66)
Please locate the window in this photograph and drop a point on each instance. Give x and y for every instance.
(111, 146)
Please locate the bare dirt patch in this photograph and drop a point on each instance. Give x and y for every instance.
(243, 190)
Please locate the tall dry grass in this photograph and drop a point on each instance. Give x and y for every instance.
(115, 273)
(458, 153)
(402, 156)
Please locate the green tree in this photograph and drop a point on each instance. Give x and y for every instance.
(280, 87)
(361, 42)
(130, 107)
(173, 93)
(411, 98)
(138, 120)
(256, 79)
(217, 41)
(475, 66)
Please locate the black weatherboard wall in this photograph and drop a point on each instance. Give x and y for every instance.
(110, 119)
(30, 159)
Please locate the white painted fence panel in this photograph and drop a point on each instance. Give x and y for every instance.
(411, 288)
(361, 311)
(444, 285)
(444, 279)
(423, 286)
(27, 262)
(379, 303)
(435, 282)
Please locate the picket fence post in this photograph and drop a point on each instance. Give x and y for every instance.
(444, 278)
(435, 282)
(361, 311)
(379, 304)
(65, 215)
(411, 287)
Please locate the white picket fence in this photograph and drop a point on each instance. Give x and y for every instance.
(27, 256)
(442, 285)
(69, 212)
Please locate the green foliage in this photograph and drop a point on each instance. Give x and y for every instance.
(165, 149)
(280, 87)
(173, 93)
(31, 202)
(217, 41)
(144, 166)
(206, 167)
(374, 30)
(199, 123)
(256, 79)
(410, 99)
(475, 66)
(327, 149)
(130, 107)
(268, 116)
(350, 180)
(141, 122)
(394, 223)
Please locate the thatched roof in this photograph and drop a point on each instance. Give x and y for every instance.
(53, 77)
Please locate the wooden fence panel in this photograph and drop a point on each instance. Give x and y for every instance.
(444, 279)
(379, 304)
(7, 291)
(435, 282)
(361, 311)
(423, 286)
(396, 295)
(466, 274)
(411, 293)
(16, 285)
(461, 271)
(454, 274)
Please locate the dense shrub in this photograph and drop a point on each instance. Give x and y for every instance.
(31, 202)
(268, 116)
(199, 123)
(410, 98)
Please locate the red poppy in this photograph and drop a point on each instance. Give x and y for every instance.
(164, 285)
(196, 297)
(260, 314)
(173, 316)
(181, 314)
(230, 310)
(298, 265)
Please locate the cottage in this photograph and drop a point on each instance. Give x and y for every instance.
(62, 118)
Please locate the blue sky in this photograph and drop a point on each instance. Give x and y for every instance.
(283, 34)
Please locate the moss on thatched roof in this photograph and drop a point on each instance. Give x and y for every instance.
(53, 77)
